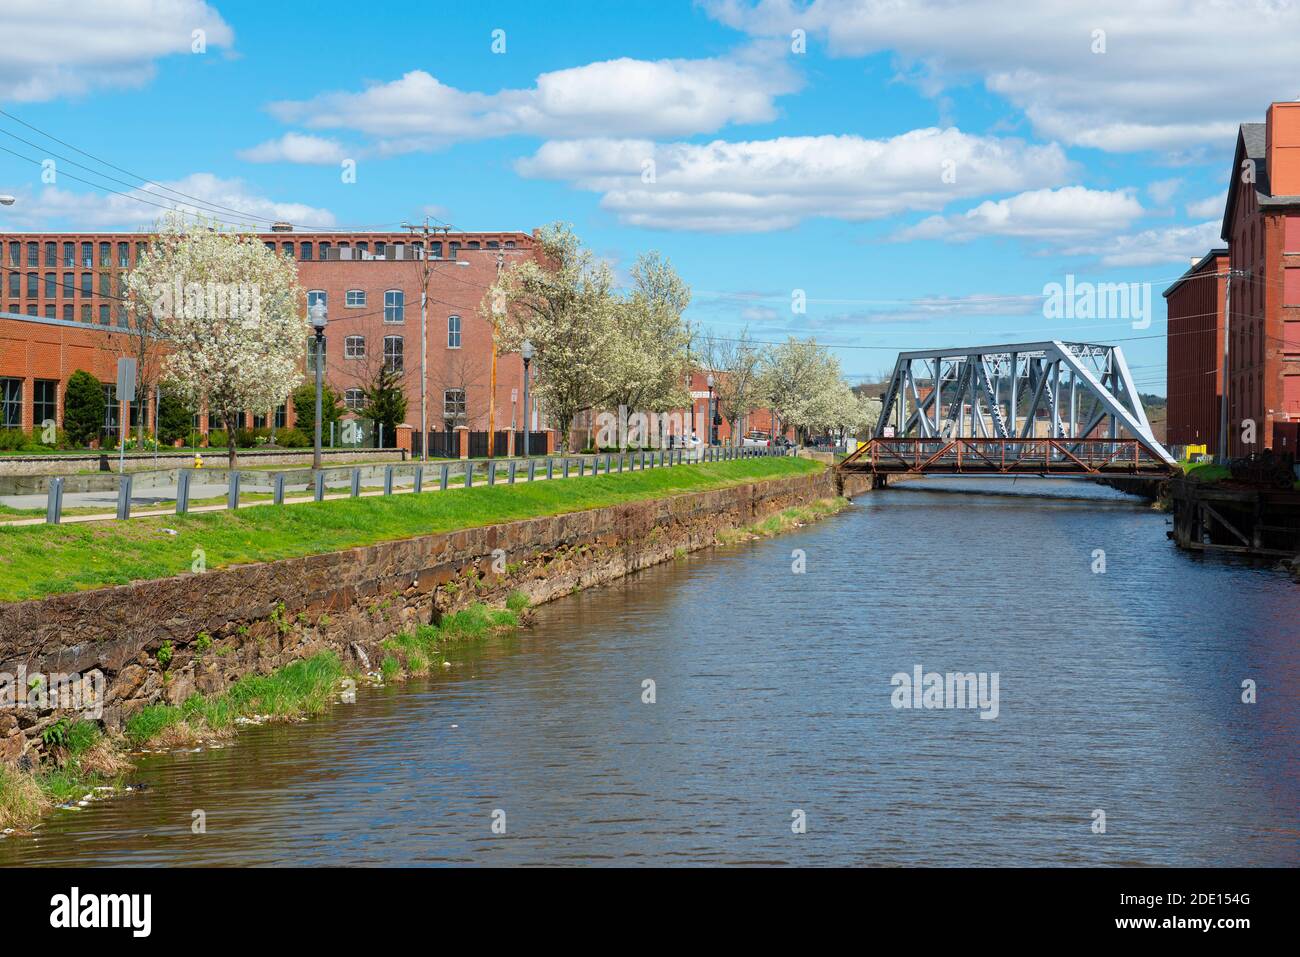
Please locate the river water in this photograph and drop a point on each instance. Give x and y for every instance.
(1119, 691)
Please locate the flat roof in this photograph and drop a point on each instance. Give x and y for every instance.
(1197, 267)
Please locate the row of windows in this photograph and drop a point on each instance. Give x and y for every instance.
(306, 252)
(394, 301)
(453, 402)
(48, 254)
(104, 314)
(45, 402)
(354, 347)
(68, 287)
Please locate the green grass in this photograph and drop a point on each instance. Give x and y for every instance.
(783, 521)
(40, 560)
(302, 688)
(1206, 471)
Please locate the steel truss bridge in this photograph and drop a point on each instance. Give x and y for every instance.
(1034, 408)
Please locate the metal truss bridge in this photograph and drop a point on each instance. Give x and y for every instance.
(1035, 408)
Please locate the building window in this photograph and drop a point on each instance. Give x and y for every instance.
(473, 244)
(288, 250)
(123, 255)
(51, 254)
(87, 255)
(305, 252)
(311, 354)
(493, 244)
(453, 406)
(317, 295)
(281, 416)
(68, 315)
(33, 285)
(363, 250)
(324, 251)
(85, 314)
(51, 284)
(11, 403)
(49, 312)
(354, 298)
(104, 315)
(15, 254)
(112, 411)
(393, 353)
(106, 254)
(105, 284)
(453, 249)
(87, 283)
(354, 400)
(381, 248)
(354, 347)
(69, 285)
(394, 305)
(453, 332)
(69, 254)
(33, 254)
(435, 250)
(15, 286)
(45, 402)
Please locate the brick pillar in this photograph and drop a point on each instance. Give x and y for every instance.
(462, 440)
(404, 437)
(510, 444)
(550, 441)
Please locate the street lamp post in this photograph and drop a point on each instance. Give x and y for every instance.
(526, 351)
(318, 314)
(710, 432)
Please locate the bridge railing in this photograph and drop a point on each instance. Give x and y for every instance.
(1028, 455)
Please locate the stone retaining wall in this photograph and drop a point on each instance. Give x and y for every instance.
(231, 622)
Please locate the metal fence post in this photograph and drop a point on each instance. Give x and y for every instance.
(356, 482)
(388, 480)
(183, 491)
(124, 496)
(232, 490)
(54, 510)
(443, 475)
(532, 469)
(319, 487)
(418, 486)
(277, 494)
(514, 467)
(469, 473)
(582, 467)
(492, 472)
(550, 468)
(566, 467)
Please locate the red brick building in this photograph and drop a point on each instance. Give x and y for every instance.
(1195, 351)
(61, 309)
(1261, 224)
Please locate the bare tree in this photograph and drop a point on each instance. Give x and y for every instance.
(736, 366)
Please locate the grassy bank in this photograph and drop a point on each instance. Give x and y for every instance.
(84, 759)
(783, 521)
(39, 560)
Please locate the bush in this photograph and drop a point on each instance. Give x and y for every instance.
(245, 438)
(292, 439)
(83, 407)
(175, 418)
(12, 440)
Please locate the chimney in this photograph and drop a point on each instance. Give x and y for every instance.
(1283, 149)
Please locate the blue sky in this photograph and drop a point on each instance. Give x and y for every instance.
(920, 171)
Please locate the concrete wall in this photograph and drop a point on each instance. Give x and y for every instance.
(348, 601)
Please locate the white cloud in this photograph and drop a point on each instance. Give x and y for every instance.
(296, 148)
(1048, 214)
(1171, 244)
(1210, 206)
(1174, 72)
(774, 184)
(52, 49)
(613, 98)
(52, 206)
(1163, 190)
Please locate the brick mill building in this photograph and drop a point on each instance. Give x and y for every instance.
(1261, 225)
(61, 309)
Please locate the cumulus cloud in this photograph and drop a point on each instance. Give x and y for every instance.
(52, 49)
(296, 148)
(1046, 214)
(771, 184)
(53, 206)
(1210, 206)
(1149, 89)
(1150, 247)
(623, 97)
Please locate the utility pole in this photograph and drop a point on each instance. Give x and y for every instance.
(492, 391)
(1222, 451)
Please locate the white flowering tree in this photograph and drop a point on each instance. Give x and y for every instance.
(564, 306)
(231, 313)
(737, 384)
(647, 360)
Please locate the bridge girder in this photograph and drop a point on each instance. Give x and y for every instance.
(1006, 391)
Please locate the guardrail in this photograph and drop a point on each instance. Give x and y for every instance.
(418, 478)
(1058, 456)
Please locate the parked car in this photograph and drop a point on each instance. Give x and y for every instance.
(756, 440)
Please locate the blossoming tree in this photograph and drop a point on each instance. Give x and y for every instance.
(231, 313)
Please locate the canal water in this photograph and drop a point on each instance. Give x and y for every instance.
(1119, 693)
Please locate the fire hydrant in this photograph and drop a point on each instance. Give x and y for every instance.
(198, 460)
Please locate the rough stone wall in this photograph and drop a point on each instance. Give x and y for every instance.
(222, 624)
